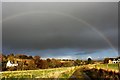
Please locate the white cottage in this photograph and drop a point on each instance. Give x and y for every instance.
(116, 61)
(9, 64)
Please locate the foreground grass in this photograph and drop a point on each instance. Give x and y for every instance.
(111, 67)
(108, 66)
(64, 72)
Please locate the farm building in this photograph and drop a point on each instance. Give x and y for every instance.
(113, 60)
(10, 64)
(19, 61)
(116, 61)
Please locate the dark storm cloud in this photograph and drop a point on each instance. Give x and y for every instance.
(0, 27)
(119, 28)
(44, 31)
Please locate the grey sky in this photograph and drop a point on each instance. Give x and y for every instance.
(0, 27)
(49, 25)
(60, 0)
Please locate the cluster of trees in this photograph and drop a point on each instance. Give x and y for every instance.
(106, 60)
(35, 62)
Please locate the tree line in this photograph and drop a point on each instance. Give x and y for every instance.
(35, 62)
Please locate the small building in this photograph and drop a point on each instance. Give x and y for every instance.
(113, 60)
(116, 61)
(10, 64)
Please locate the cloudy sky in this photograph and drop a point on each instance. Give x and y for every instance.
(60, 30)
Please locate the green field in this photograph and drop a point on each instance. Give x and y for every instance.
(113, 67)
(64, 72)
(108, 66)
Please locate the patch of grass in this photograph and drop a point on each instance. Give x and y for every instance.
(41, 73)
(108, 66)
(66, 75)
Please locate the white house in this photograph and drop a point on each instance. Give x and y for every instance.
(9, 64)
(116, 61)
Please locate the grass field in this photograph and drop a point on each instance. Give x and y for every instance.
(113, 67)
(108, 66)
(64, 72)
